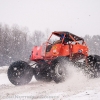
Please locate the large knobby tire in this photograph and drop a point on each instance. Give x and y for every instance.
(45, 78)
(42, 76)
(59, 72)
(92, 69)
(20, 73)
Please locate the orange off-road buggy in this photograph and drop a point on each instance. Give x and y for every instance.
(61, 47)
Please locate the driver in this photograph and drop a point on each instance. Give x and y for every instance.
(59, 41)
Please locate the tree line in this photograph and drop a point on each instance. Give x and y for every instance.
(16, 44)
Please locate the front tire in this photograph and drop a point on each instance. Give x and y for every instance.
(42, 75)
(43, 78)
(59, 72)
(20, 73)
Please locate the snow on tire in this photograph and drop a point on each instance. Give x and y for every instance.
(59, 73)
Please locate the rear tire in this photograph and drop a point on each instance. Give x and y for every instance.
(20, 73)
(93, 67)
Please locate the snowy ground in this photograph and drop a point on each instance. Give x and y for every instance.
(76, 87)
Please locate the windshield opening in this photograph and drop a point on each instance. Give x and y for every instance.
(53, 39)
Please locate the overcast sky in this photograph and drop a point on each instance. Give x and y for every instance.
(80, 17)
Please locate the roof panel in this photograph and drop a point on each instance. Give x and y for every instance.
(59, 33)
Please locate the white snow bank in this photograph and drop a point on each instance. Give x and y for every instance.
(4, 79)
(86, 95)
(3, 67)
(76, 87)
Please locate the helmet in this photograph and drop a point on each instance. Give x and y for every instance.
(61, 36)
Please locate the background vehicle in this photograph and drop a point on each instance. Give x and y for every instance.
(50, 58)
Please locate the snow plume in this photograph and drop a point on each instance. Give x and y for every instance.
(75, 80)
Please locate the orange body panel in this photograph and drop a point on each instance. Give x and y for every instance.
(36, 53)
(58, 50)
(77, 48)
(64, 50)
(55, 50)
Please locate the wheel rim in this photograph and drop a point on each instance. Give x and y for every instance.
(60, 70)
